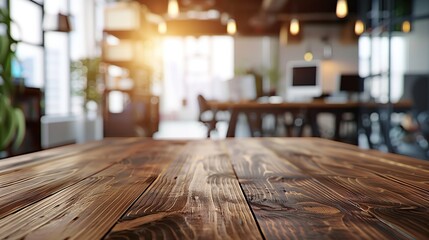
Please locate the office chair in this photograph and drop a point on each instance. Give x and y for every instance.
(207, 115)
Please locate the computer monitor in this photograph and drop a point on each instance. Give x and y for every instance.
(303, 80)
(416, 87)
(351, 83)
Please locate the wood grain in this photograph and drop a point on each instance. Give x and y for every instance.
(197, 197)
(394, 192)
(272, 188)
(301, 188)
(30, 183)
(88, 209)
(10, 164)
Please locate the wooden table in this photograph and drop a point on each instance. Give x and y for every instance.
(312, 109)
(272, 188)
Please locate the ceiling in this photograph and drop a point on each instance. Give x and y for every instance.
(253, 17)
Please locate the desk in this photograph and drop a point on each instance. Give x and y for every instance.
(273, 188)
(312, 109)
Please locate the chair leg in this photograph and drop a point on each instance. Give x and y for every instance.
(210, 127)
(208, 131)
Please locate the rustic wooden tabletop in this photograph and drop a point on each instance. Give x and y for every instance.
(272, 188)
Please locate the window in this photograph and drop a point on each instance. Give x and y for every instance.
(198, 66)
(27, 28)
(87, 17)
(373, 52)
(57, 87)
(27, 25)
(43, 59)
(30, 61)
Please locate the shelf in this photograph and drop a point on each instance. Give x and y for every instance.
(133, 52)
(123, 64)
(118, 90)
(128, 64)
(125, 34)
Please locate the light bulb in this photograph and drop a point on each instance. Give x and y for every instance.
(162, 28)
(294, 26)
(173, 8)
(359, 27)
(231, 27)
(406, 27)
(342, 8)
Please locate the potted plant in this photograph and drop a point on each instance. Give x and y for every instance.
(85, 79)
(85, 82)
(12, 120)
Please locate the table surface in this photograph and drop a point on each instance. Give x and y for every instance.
(317, 104)
(273, 188)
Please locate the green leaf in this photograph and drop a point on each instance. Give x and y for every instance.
(4, 48)
(7, 74)
(10, 125)
(2, 120)
(5, 15)
(12, 120)
(2, 109)
(20, 129)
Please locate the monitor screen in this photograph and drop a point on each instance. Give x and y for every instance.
(351, 83)
(304, 76)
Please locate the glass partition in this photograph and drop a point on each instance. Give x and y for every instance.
(394, 59)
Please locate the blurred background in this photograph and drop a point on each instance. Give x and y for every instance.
(83, 70)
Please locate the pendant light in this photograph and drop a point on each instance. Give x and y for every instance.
(173, 8)
(359, 27)
(294, 26)
(406, 26)
(162, 28)
(231, 27)
(342, 8)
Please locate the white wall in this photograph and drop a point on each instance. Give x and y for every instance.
(255, 53)
(259, 53)
(343, 60)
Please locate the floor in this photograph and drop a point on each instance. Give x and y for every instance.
(180, 130)
(188, 129)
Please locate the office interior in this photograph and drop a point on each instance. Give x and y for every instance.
(83, 70)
